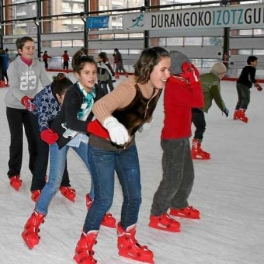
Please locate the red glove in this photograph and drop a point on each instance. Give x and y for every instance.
(49, 136)
(257, 85)
(27, 102)
(190, 72)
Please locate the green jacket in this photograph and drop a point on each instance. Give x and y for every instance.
(211, 91)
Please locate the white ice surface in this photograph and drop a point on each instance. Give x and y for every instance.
(228, 190)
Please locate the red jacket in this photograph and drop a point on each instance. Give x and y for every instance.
(179, 99)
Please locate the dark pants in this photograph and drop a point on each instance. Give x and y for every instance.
(4, 75)
(199, 123)
(178, 177)
(65, 65)
(17, 118)
(104, 85)
(46, 64)
(40, 172)
(243, 93)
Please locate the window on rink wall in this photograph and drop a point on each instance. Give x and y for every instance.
(115, 37)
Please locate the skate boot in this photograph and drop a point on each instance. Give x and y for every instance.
(242, 115)
(164, 222)
(187, 212)
(15, 182)
(236, 115)
(108, 220)
(129, 247)
(197, 152)
(84, 249)
(68, 192)
(117, 76)
(31, 229)
(35, 195)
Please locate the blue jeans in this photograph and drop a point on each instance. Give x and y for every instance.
(57, 165)
(103, 165)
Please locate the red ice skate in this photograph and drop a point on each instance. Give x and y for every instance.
(187, 212)
(236, 115)
(197, 151)
(35, 195)
(242, 115)
(68, 192)
(15, 182)
(31, 229)
(108, 220)
(129, 247)
(164, 222)
(84, 250)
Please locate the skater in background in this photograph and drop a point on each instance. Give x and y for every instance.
(105, 73)
(45, 58)
(183, 91)
(48, 104)
(24, 73)
(4, 65)
(65, 60)
(211, 92)
(112, 148)
(243, 85)
(119, 63)
(69, 129)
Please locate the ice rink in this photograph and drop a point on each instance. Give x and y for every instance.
(228, 191)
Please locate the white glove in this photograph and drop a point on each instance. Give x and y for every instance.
(117, 132)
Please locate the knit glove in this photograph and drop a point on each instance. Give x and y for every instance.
(258, 86)
(117, 132)
(27, 102)
(49, 136)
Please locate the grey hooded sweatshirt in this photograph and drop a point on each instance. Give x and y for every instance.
(23, 81)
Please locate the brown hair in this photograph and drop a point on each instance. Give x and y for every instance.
(148, 59)
(20, 42)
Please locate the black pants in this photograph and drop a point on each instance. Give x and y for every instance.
(243, 93)
(178, 177)
(40, 172)
(17, 119)
(46, 64)
(198, 120)
(65, 65)
(4, 75)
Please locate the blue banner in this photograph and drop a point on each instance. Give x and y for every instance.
(97, 22)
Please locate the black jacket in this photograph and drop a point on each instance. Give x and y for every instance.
(71, 106)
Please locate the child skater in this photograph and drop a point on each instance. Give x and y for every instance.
(48, 104)
(244, 83)
(24, 73)
(71, 127)
(112, 148)
(212, 92)
(182, 92)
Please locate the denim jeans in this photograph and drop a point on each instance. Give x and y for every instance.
(103, 165)
(57, 165)
(178, 177)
